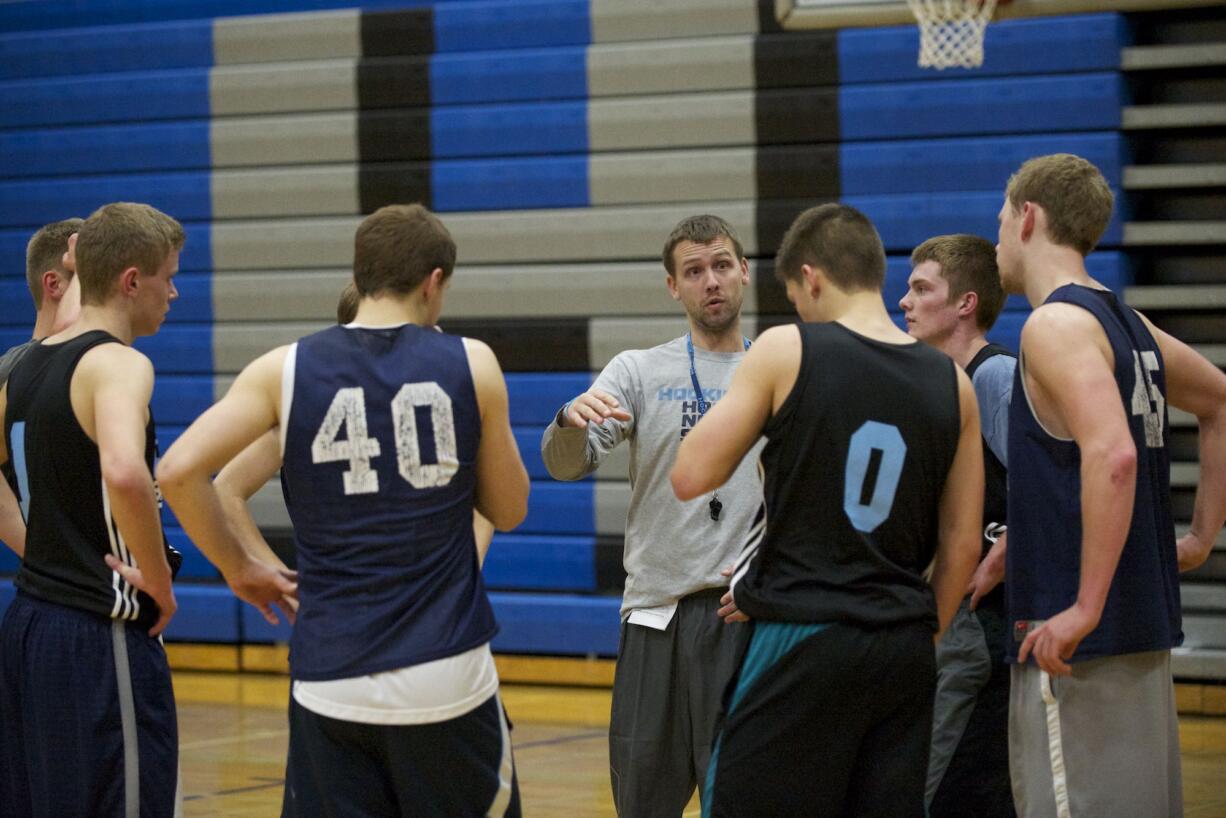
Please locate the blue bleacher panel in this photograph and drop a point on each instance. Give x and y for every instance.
(496, 24)
(510, 184)
(195, 301)
(182, 349)
(560, 508)
(506, 76)
(556, 623)
(536, 397)
(1007, 331)
(97, 98)
(105, 149)
(528, 623)
(9, 563)
(528, 438)
(508, 130)
(179, 399)
(519, 561)
(1011, 105)
(207, 613)
(13, 335)
(906, 220)
(67, 52)
(977, 163)
(1081, 42)
(15, 296)
(35, 202)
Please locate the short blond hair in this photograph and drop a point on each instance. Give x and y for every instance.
(968, 264)
(122, 235)
(1073, 194)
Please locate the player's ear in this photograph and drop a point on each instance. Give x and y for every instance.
(814, 278)
(54, 286)
(968, 303)
(1029, 219)
(129, 281)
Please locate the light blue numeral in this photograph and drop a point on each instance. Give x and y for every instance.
(18, 434)
(892, 451)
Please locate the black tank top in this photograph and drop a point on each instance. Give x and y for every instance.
(69, 527)
(855, 464)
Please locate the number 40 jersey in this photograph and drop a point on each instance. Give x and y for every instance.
(855, 461)
(381, 428)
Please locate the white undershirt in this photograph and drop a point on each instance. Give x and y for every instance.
(419, 694)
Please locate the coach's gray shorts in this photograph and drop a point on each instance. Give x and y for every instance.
(1102, 742)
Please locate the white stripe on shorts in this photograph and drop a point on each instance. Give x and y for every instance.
(506, 769)
(1055, 747)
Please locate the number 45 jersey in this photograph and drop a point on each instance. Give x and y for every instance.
(855, 463)
(379, 473)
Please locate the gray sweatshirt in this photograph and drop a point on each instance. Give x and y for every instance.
(672, 548)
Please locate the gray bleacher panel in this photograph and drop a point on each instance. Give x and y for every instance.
(681, 120)
(268, 507)
(670, 66)
(616, 20)
(672, 176)
(316, 190)
(237, 344)
(287, 139)
(271, 37)
(245, 296)
(1137, 234)
(1204, 631)
(291, 87)
(583, 234)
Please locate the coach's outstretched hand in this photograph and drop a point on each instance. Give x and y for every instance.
(593, 405)
(266, 588)
(163, 593)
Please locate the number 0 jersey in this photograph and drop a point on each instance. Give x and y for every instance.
(856, 461)
(381, 431)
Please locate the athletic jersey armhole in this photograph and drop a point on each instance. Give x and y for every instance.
(1021, 367)
(287, 390)
(787, 409)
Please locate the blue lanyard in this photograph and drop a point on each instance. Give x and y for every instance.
(702, 402)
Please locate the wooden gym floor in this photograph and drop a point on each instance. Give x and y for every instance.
(233, 739)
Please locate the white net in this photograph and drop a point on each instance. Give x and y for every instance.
(951, 31)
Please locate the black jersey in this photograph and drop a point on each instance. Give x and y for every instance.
(855, 464)
(69, 527)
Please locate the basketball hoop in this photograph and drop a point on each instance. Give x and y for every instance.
(951, 31)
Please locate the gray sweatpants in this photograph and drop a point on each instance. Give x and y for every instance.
(667, 694)
(1104, 741)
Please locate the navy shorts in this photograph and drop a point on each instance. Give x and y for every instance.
(88, 716)
(455, 768)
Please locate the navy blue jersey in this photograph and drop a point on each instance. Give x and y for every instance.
(379, 471)
(1043, 561)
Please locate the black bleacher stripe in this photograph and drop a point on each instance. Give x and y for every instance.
(610, 569)
(384, 183)
(397, 33)
(796, 59)
(394, 82)
(772, 297)
(389, 136)
(797, 171)
(531, 345)
(767, 24)
(796, 115)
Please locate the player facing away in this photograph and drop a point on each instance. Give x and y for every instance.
(1092, 568)
(392, 433)
(953, 298)
(873, 468)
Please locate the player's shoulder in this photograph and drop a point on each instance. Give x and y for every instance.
(116, 357)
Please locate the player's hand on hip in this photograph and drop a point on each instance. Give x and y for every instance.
(728, 611)
(1191, 551)
(988, 574)
(594, 405)
(162, 593)
(266, 588)
(1054, 642)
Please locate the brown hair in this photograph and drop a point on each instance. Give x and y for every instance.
(1073, 194)
(968, 264)
(700, 230)
(46, 252)
(397, 247)
(122, 235)
(347, 306)
(841, 241)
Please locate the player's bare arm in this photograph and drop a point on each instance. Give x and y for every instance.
(110, 395)
(1197, 386)
(247, 411)
(1069, 377)
(502, 480)
(714, 448)
(961, 510)
(241, 478)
